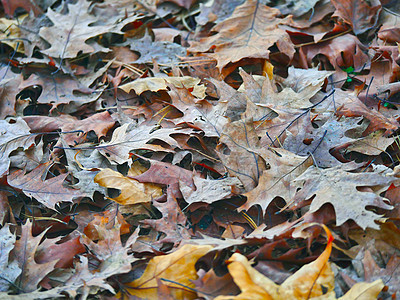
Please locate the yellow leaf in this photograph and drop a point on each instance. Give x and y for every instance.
(309, 281)
(268, 69)
(10, 33)
(132, 191)
(252, 283)
(177, 267)
(313, 281)
(364, 291)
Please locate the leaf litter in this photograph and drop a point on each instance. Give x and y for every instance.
(199, 149)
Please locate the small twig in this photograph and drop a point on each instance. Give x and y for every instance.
(323, 40)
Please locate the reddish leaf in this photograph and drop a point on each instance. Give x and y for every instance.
(24, 253)
(361, 15)
(11, 5)
(48, 192)
(64, 252)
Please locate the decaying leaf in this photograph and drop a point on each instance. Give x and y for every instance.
(172, 222)
(126, 139)
(208, 191)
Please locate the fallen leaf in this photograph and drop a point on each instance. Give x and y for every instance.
(8, 92)
(132, 191)
(312, 280)
(323, 140)
(48, 192)
(11, 5)
(237, 150)
(10, 32)
(209, 285)
(70, 31)
(9, 272)
(155, 84)
(126, 139)
(100, 123)
(24, 254)
(13, 136)
(315, 279)
(163, 52)
(251, 30)
(172, 223)
(351, 106)
(168, 174)
(50, 250)
(58, 89)
(175, 267)
(276, 181)
(209, 191)
(373, 144)
(338, 186)
(359, 14)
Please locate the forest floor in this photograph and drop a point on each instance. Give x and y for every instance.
(191, 149)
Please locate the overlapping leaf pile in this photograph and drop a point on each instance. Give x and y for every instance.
(198, 149)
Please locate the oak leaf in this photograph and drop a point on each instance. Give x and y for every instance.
(8, 92)
(132, 191)
(201, 113)
(343, 51)
(163, 52)
(237, 149)
(13, 136)
(322, 140)
(373, 144)
(59, 89)
(24, 254)
(209, 191)
(359, 14)
(111, 258)
(276, 181)
(10, 33)
(338, 186)
(177, 267)
(172, 223)
(351, 106)
(389, 274)
(100, 123)
(9, 271)
(64, 253)
(48, 192)
(155, 84)
(11, 5)
(126, 139)
(70, 31)
(165, 173)
(312, 281)
(251, 30)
